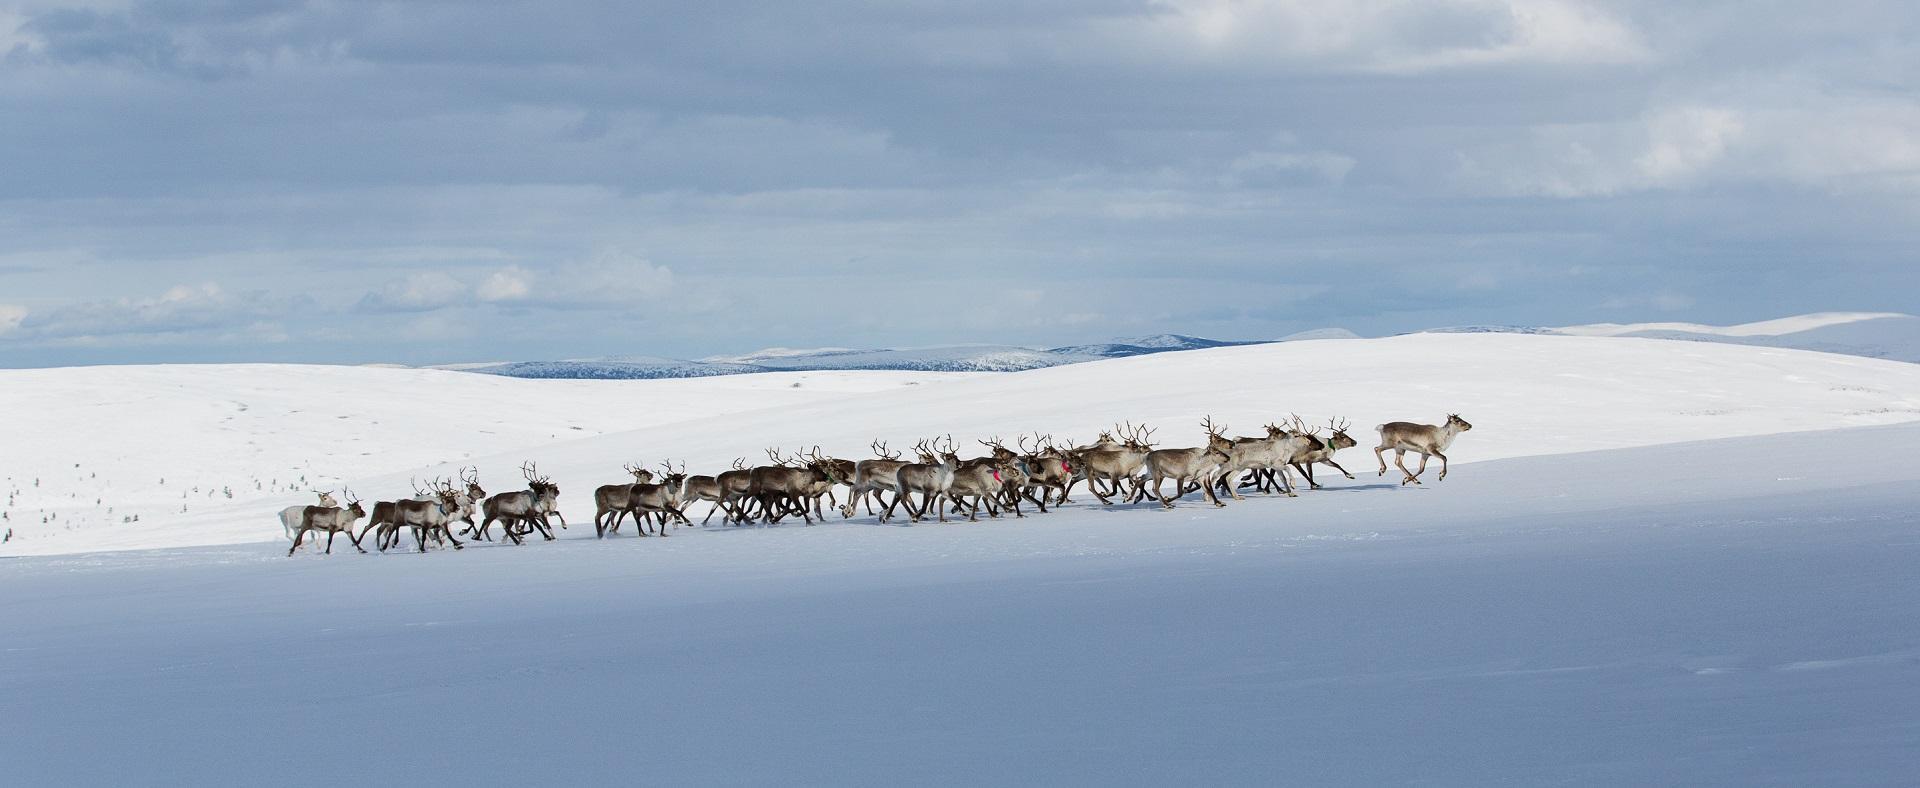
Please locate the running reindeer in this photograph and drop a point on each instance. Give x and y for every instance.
(1423, 439)
(331, 519)
(522, 511)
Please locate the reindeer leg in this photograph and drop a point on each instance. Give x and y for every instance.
(297, 536)
(330, 541)
(1336, 466)
(1443, 464)
(1214, 499)
(1307, 471)
(1382, 458)
(1412, 477)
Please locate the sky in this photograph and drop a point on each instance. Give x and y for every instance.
(354, 182)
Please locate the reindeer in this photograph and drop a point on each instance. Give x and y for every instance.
(827, 472)
(429, 518)
(384, 522)
(784, 488)
(611, 502)
(982, 480)
(1116, 464)
(1322, 452)
(1047, 468)
(702, 488)
(1423, 439)
(521, 507)
(930, 477)
(1200, 465)
(384, 512)
(663, 500)
(290, 516)
(1269, 458)
(331, 519)
(736, 488)
(871, 477)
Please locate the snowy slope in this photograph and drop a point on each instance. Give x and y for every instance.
(92, 447)
(1885, 335)
(1528, 395)
(1765, 328)
(1689, 614)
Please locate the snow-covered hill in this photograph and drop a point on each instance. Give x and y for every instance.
(91, 449)
(1887, 335)
(256, 428)
(1655, 562)
(1870, 334)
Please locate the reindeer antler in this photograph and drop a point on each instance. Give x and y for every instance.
(1212, 430)
(1340, 427)
(347, 493)
(880, 450)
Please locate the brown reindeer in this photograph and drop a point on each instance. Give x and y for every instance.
(331, 519)
(1199, 465)
(871, 478)
(1423, 439)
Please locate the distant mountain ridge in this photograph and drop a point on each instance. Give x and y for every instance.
(1885, 335)
(948, 358)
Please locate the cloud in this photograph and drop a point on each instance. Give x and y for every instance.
(509, 285)
(1667, 149)
(609, 279)
(424, 291)
(10, 317)
(203, 312)
(1385, 36)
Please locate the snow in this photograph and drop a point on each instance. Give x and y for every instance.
(1764, 328)
(1319, 333)
(1526, 395)
(167, 443)
(1654, 562)
(1688, 614)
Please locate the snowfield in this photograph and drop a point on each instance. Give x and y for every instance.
(1654, 563)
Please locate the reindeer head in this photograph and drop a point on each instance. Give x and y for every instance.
(1340, 439)
(471, 476)
(674, 478)
(1137, 438)
(326, 498)
(1217, 439)
(999, 449)
(540, 485)
(824, 465)
(353, 503)
(640, 475)
(949, 452)
(926, 453)
(1460, 424)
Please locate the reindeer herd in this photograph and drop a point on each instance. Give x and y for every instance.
(1121, 466)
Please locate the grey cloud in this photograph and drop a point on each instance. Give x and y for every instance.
(440, 165)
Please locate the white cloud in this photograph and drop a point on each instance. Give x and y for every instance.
(10, 317)
(418, 292)
(1385, 35)
(1666, 149)
(507, 285)
(608, 279)
(1261, 167)
(203, 312)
